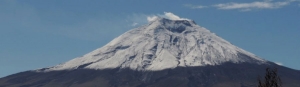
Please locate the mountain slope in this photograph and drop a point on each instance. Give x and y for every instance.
(225, 75)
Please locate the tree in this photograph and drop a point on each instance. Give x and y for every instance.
(271, 79)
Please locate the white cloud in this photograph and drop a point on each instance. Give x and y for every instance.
(195, 6)
(278, 63)
(168, 15)
(151, 18)
(172, 16)
(141, 19)
(267, 4)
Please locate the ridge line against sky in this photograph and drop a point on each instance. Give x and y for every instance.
(45, 33)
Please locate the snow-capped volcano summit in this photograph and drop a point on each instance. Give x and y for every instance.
(173, 52)
(162, 44)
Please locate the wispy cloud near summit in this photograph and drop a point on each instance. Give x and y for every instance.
(168, 15)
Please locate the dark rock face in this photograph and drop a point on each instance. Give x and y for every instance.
(225, 75)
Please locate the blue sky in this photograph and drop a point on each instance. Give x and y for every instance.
(36, 34)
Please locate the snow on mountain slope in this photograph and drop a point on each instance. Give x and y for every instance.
(162, 44)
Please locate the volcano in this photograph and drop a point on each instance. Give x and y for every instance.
(163, 53)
